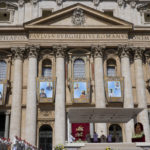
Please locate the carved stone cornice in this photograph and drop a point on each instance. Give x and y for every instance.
(18, 52)
(59, 2)
(98, 50)
(124, 51)
(21, 3)
(138, 52)
(33, 50)
(60, 50)
(78, 17)
(34, 2)
(96, 2)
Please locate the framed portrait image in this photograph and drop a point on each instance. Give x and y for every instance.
(3, 91)
(45, 90)
(114, 89)
(80, 91)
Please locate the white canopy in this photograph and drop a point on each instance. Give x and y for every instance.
(102, 115)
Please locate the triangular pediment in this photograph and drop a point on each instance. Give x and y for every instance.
(78, 16)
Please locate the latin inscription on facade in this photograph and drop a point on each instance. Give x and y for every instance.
(15, 37)
(75, 36)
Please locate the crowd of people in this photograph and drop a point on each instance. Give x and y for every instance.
(18, 144)
(5, 144)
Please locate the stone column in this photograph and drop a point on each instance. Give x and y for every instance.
(60, 96)
(128, 96)
(140, 91)
(31, 102)
(15, 121)
(6, 134)
(99, 85)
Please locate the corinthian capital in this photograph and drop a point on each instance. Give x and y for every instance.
(124, 50)
(60, 50)
(18, 52)
(138, 52)
(98, 50)
(33, 50)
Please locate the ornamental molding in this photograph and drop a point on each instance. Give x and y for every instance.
(34, 2)
(98, 50)
(78, 17)
(60, 50)
(18, 52)
(124, 51)
(96, 2)
(59, 2)
(132, 3)
(138, 52)
(33, 50)
(21, 3)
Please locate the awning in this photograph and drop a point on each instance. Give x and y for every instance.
(102, 115)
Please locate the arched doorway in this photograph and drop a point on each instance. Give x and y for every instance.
(116, 132)
(45, 137)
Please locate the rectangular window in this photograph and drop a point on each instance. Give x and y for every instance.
(4, 16)
(147, 17)
(46, 12)
(111, 72)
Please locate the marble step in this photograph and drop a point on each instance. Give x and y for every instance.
(113, 146)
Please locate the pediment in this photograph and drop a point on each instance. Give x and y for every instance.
(7, 5)
(78, 16)
(144, 7)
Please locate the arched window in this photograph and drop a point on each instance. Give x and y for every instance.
(116, 132)
(45, 137)
(111, 67)
(3, 70)
(46, 68)
(79, 68)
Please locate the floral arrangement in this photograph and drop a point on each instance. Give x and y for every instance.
(60, 147)
(108, 148)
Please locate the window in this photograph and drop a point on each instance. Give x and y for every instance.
(79, 68)
(147, 17)
(111, 67)
(7, 11)
(116, 132)
(4, 16)
(46, 12)
(46, 68)
(3, 70)
(45, 137)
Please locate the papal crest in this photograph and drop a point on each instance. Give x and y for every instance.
(78, 17)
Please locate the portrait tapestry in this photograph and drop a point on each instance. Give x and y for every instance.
(80, 91)
(114, 89)
(45, 90)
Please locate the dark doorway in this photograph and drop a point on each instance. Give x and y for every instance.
(45, 137)
(116, 132)
(2, 125)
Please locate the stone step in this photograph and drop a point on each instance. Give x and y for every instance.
(113, 146)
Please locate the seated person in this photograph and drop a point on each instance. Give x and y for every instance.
(139, 135)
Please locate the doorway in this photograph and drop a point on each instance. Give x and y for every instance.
(45, 137)
(116, 131)
(2, 125)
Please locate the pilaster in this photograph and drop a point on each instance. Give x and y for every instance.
(60, 95)
(140, 91)
(15, 123)
(31, 105)
(98, 51)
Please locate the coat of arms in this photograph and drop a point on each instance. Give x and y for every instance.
(78, 17)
